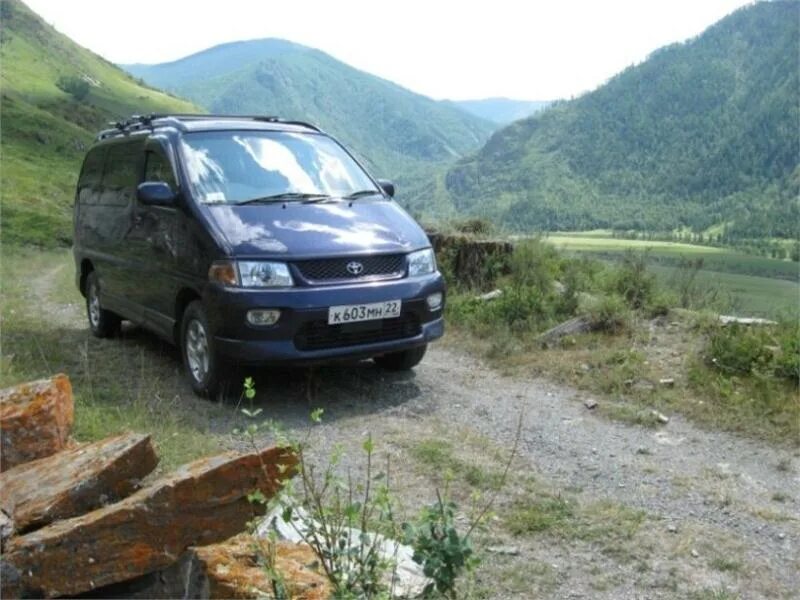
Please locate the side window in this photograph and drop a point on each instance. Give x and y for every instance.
(157, 168)
(91, 173)
(121, 174)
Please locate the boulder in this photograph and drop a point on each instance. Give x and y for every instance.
(76, 481)
(234, 569)
(201, 503)
(35, 420)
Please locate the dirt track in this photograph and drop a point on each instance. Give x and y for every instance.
(721, 514)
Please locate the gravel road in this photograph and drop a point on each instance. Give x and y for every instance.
(722, 511)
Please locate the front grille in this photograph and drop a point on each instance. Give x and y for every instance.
(318, 335)
(387, 266)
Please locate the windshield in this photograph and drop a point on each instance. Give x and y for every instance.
(238, 166)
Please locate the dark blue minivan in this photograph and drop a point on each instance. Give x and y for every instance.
(250, 240)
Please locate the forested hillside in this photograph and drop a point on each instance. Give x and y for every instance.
(55, 97)
(398, 134)
(702, 134)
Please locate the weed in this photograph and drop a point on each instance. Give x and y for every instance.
(526, 517)
(725, 564)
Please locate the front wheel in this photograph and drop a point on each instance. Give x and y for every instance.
(403, 360)
(201, 363)
(103, 323)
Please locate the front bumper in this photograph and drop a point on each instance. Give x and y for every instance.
(307, 307)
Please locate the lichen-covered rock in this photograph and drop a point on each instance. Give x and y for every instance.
(201, 503)
(234, 569)
(35, 420)
(73, 482)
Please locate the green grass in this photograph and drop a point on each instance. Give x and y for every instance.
(129, 384)
(438, 456)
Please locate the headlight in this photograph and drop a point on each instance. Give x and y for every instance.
(251, 274)
(421, 263)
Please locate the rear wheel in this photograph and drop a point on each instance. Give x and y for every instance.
(403, 360)
(201, 362)
(103, 323)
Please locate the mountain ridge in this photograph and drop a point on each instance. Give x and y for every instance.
(702, 133)
(396, 132)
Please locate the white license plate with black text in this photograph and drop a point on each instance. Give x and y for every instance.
(353, 313)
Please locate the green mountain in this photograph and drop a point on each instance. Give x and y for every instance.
(702, 134)
(397, 133)
(56, 95)
(501, 111)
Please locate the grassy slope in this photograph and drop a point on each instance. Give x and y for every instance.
(45, 131)
(399, 134)
(700, 133)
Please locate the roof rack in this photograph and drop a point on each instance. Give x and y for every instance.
(140, 122)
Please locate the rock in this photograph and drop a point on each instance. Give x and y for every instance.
(201, 503)
(6, 529)
(35, 420)
(729, 319)
(559, 288)
(407, 580)
(590, 403)
(660, 417)
(76, 481)
(695, 553)
(490, 295)
(507, 550)
(667, 382)
(572, 327)
(235, 569)
(672, 528)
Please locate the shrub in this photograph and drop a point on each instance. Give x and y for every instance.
(609, 314)
(535, 264)
(474, 226)
(742, 350)
(76, 86)
(632, 281)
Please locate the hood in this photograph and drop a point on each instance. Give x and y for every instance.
(300, 230)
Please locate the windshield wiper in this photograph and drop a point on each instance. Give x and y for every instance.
(284, 197)
(359, 194)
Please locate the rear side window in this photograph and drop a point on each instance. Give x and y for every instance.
(91, 174)
(121, 174)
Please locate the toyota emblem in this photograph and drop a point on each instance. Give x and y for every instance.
(354, 267)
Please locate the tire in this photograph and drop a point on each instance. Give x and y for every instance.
(102, 323)
(203, 366)
(403, 360)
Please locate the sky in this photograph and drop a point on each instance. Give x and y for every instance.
(525, 49)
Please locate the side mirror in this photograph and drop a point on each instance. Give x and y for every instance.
(155, 193)
(387, 186)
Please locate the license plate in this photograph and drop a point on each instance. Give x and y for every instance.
(353, 313)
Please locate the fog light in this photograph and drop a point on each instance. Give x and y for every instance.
(434, 301)
(263, 316)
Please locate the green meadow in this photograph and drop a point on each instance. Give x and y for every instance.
(744, 284)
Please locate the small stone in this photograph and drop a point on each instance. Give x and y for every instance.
(590, 403)
(667, 382)
(672, 528)
(628, 382)
(507, 550)
(662, 418)
(695, 553)
(643, 450)
(585, 367)
(781, 535)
